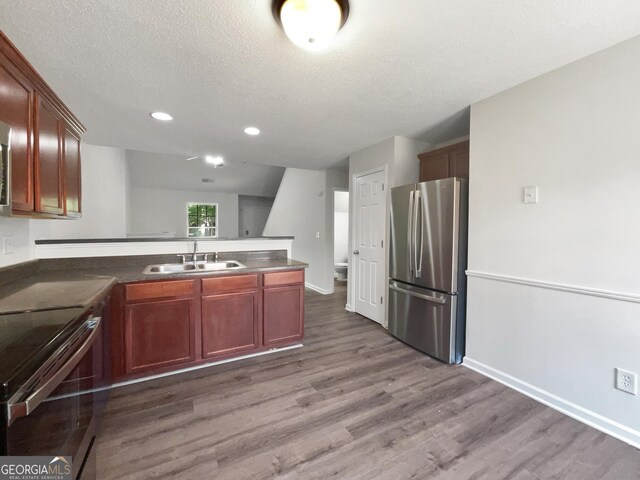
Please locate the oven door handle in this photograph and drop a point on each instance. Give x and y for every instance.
(29, 404)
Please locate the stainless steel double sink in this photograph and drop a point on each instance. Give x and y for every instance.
(198, 267)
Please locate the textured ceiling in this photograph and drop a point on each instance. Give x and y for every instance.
(398, 67)
(171, 172)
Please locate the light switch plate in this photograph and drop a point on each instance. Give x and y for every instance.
(530, 195)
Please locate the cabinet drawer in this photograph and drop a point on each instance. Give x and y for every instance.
(229, 284)
(144, 291)
(283, 278)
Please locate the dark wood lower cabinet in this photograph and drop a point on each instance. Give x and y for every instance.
(159, 334)
(283, 314)
(159, 326)
(230, 324)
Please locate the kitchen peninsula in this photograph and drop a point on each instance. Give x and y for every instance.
(160, 323)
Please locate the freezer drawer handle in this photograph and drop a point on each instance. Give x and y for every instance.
(441, 301)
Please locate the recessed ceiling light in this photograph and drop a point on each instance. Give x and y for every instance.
(252, 131)
(215, 161)
(165, 117)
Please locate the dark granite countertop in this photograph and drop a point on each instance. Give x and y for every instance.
(62, 283)
(53, 290)
(154, 239)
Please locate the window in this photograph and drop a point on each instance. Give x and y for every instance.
(202, 219)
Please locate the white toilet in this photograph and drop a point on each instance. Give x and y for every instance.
(341, 269)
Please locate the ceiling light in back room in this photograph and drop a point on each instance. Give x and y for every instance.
(215, 161)
(165, 117)
(252, 131)
(311, 24)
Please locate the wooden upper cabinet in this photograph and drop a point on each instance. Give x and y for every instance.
(459, 162)
(72, 174)
(446, 162)
(435, 168)
(49, 163)
(16, 110)
(43, 133)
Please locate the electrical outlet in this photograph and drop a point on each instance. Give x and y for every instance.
(627, 381)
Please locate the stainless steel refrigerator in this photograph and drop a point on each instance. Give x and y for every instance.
(428, 258)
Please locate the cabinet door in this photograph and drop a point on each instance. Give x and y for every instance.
(159, 334)
(283, 310)
(16, 110)
(230, 324)
(434, 167)
(459, 161)
(72, 177)
(48, 159)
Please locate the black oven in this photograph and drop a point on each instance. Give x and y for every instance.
(53, 403)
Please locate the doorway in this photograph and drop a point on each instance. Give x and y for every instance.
(340, 235)
(253, 213)
(368, 257)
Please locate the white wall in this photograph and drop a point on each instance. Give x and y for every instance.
(304, 208)
(341, 227)
(154, 211)
(17, 235)
(573, 133)
(336, 179)
(299, 210)
(104, 199)
(104, 207)
(399, 156)
(406, 163)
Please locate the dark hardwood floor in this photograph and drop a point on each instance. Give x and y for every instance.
(353, 403)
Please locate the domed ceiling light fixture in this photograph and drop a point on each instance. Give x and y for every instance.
(311, 24)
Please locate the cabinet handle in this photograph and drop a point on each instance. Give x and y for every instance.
(356, 252)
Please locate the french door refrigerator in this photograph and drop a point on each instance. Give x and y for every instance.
(428, 258)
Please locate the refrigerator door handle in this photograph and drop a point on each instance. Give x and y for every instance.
(416, 215)
(428, 298)
(410, 245)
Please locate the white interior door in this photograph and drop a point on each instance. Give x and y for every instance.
(368, 253)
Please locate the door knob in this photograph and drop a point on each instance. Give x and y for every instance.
(356, 252)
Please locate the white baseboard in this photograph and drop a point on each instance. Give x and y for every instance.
(595, 420)
(349, 308)
(323, 291)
